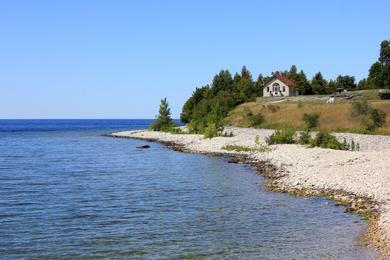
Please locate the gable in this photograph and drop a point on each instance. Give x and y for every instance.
(273, 81)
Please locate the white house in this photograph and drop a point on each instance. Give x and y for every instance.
(279, 85)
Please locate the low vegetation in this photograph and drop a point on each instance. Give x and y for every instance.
(311, 120)
(282, 136)
(239, 148)
(372, 118)
(322, 139)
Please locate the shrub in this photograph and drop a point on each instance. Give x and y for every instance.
(283, 136)
(175, 130)
(256, 120)
(304, 137)
(195, 127)
(360, 108)
(210, 131)
(273, 108)
(324, 139)
(377, 118)
(311, 120)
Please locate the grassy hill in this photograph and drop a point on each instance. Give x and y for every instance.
(337, 117)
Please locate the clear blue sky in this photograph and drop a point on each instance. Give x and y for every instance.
(116, 59)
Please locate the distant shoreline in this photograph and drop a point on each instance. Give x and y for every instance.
(359, 180)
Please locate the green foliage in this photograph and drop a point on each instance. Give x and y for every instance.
(360, 108)
(311, 120)
(300, 104)
(283, 136)
(324, 139)
(376, 119)
(319, 84)
(210, 131)
(304, 137)
(379, 73)
(345, 82)
(256, 120)
(163, 121)
(239, 148)
(372, 118)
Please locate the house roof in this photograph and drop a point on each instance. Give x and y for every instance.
(282, 78)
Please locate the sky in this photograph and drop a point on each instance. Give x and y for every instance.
(117, 59)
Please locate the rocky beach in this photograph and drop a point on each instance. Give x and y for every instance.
(359, 180)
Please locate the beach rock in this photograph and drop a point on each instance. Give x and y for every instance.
(143, 146)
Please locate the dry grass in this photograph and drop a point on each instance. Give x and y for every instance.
(333, 117)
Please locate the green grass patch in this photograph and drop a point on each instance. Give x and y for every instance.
(240, 148)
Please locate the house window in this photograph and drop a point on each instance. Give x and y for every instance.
(284, 88)
(267, 89)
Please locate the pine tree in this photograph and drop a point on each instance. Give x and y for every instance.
(319, 84)
(379, 73)
(163, 121)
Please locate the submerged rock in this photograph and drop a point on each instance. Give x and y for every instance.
(143, 146)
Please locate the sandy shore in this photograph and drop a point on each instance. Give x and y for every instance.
(360, 177)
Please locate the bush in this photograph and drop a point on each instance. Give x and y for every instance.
(360, 108)
(210, 131)
(175, 130)
(326, 140)
(195, 127)
(273, 108)
(284, 136)
(377, 118)
(311, 120)
(256, 120)
(304, 137)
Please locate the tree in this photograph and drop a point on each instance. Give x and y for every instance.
(362, 84)
(303, 84)
(345, 82)
(318, 84)
(222, 81)
(292, 73)
(163, 121)
(379, 73)
(188, 107)
(259, 84)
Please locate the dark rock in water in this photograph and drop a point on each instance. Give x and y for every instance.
(143, 146)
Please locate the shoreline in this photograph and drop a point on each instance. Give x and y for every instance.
(282, 176)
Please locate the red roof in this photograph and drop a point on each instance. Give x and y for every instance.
(284, 79)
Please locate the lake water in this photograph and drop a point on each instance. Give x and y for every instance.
(66, 192)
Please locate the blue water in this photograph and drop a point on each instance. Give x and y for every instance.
(66, 192)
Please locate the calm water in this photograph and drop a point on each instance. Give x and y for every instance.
(68, 193)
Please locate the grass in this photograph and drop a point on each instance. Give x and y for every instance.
(239, 148)
(333, 117)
